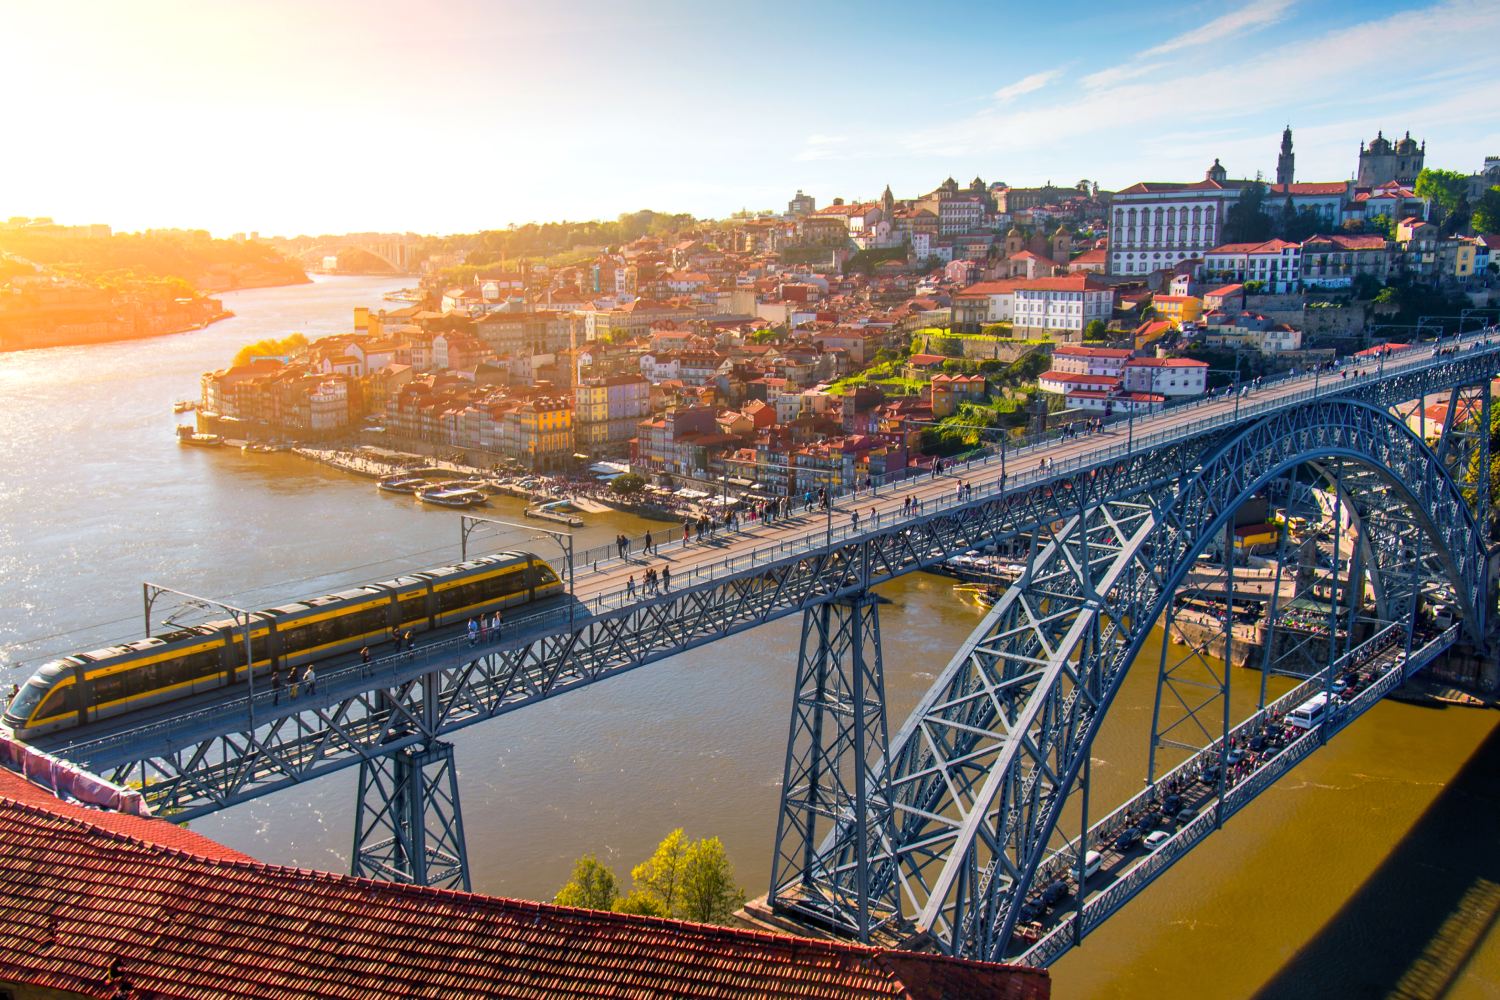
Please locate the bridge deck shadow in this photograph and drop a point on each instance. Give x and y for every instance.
(1416, 922)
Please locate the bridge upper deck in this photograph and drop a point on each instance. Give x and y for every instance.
(602, 590)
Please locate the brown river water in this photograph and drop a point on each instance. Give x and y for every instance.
(1372, 869)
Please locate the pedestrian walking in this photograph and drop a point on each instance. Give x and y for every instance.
(473, 632)
(647, 545)
(687, 527)
(630, 587)
(495, 622)
(312, 680)
(276, 687)
(364, 656)
(666, 578)
(294, 680)
(411, 644)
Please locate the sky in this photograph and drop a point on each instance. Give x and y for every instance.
(326, 116)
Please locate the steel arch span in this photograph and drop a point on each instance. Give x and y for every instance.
(979, 775)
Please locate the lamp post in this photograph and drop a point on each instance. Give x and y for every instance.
(468, 523)
(151, 592)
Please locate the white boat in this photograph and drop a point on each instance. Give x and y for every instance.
(402, 484)
(451, 496)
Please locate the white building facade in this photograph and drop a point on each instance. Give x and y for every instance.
(1154, 226)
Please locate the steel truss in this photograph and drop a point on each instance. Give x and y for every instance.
(838, 732)
(200, 761)
(188, 766)
(982, 770)
(409, 827)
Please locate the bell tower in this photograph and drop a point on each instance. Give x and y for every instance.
(1284, 162)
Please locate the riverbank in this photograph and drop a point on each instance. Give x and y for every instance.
(23, 331)
(587, 495)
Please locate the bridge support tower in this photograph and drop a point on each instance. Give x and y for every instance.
(409, 827)
(834, 784)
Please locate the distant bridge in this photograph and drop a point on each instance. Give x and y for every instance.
(399, 253)
(957, 832)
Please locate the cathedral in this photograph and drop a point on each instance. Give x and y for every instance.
(1383, 161)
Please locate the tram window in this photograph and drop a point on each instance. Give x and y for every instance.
(61, 700)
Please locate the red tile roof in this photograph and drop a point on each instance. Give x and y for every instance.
(1070, 351)
(1071, 283)
(103, 907)
(1315, 188)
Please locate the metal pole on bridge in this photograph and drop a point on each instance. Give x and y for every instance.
(467, 523)
(240, 617)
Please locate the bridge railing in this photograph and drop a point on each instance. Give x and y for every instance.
(397, 667)
(607, 557)
(1100, 907)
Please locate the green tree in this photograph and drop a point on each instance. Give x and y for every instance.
(1486, 217)
(1446, 188)
(1246, 222)
(1382, 225)
(1096, 330)
(1254, 287)
(641, 904)
(709, 894)
(592, 886)
(659, 877)
(271, 347)
(627, 484)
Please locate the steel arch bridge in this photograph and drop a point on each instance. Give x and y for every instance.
(970, 801)
(938, 836)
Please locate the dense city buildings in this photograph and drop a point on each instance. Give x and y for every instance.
(825, 345)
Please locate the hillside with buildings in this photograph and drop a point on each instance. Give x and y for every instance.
(824, 347)
(62, 285)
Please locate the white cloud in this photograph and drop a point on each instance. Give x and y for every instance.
(1119, 74)
(822, 147)
(1251, 17)
(1331, 70)
(1026, 85)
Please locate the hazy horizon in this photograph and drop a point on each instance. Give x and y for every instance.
(459, 116)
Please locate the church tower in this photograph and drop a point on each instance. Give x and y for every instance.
(1216, 173)
(1062, 245)
(888, 203)
(1284, 162)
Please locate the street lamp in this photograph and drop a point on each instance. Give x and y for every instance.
(468, 523)
(150, 592)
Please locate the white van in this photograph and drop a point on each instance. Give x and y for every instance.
(1309, 713)
(1091, 862)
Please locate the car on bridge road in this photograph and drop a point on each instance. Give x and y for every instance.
(1057, 890)
(1127, 838)
(1156, 838)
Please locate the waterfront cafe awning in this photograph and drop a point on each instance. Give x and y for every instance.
(688, 494)
(604, 468)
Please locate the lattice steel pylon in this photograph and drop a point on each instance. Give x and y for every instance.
(831, 786)
(409, 827)
(989, 777)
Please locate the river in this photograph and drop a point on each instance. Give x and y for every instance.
(1374, 860)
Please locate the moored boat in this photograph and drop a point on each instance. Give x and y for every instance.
(184, 406)
(452, 496)
(558, 511)
(201, 440)
(402, 484)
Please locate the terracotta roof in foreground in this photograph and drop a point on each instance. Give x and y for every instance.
(147, 909)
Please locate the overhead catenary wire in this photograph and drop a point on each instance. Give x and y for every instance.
(29, 642)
